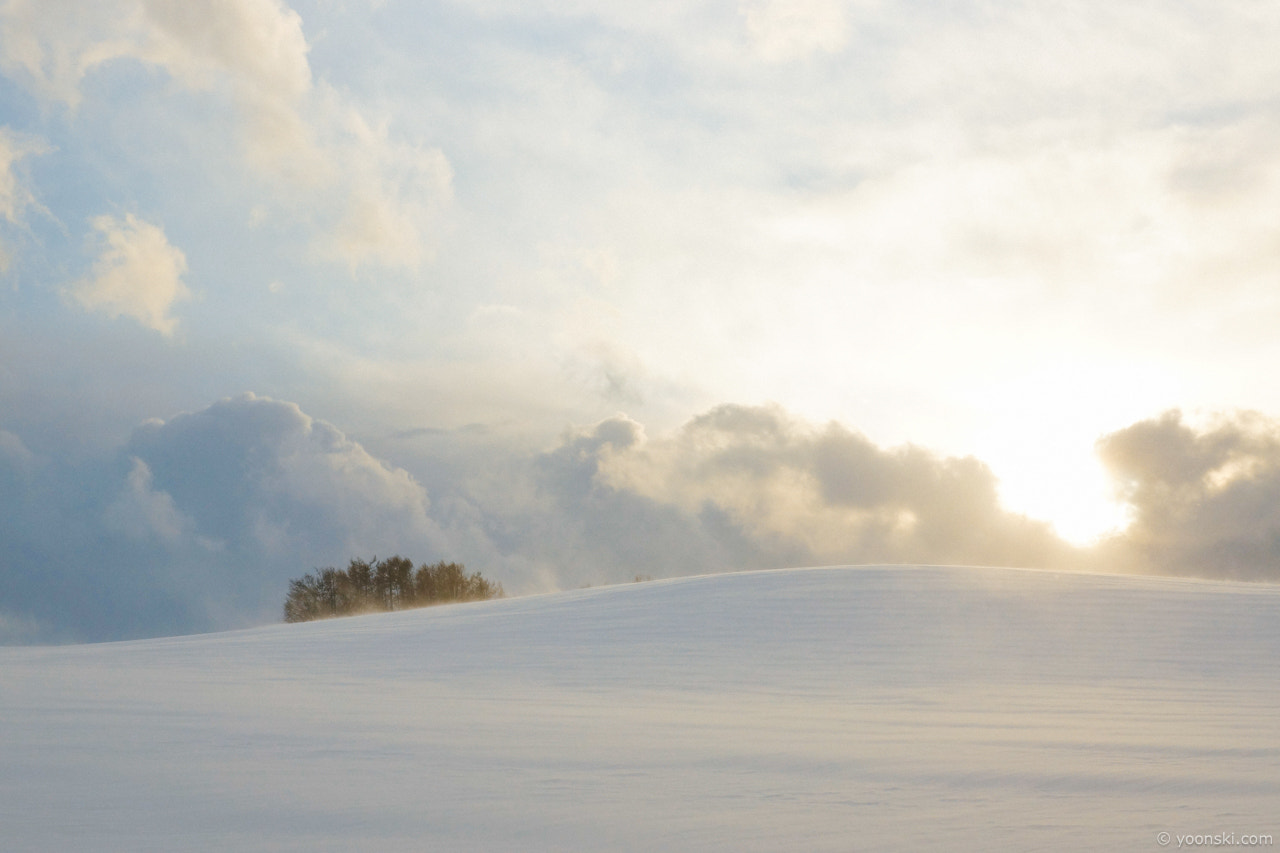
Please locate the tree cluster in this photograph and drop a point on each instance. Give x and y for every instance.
(367, 586)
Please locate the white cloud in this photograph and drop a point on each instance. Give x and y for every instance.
(257, 47)
(15, 197)
(55, 43)
(138, 274)
(374, 198)
(1125, 61)
(395, 193)
(782, 30)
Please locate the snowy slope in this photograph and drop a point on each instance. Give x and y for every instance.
(820, 709)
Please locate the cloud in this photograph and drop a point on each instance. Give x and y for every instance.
(70, 570)
(594, 531)
(394, 194)
(256, 47)
(782, 30)
(56, 42)
(752, 487)
(15, 197)
(14, 453)
(263, 477)
(197, 523)
(1205, 502)
(142, 512)
(374, 198)
(138, 274)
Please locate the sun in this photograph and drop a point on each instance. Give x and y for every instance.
(1036, 429)
(1069, 490)
(1039, 436)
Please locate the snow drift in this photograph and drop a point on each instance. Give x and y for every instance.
(882, 708)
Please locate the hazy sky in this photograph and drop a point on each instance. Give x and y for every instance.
(448, 245)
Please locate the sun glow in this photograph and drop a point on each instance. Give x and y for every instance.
(1039, 440)
(1070, 490)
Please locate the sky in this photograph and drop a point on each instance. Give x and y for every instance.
(581, 290)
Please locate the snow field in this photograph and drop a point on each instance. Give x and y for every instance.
(882, 708)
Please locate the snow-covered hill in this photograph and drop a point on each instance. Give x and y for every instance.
(805, 710)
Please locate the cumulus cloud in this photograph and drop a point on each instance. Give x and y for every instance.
(594, 531)
(262, 476)
(374, 197)
(138, 274)
(1204, 501)
(197, 523)
(753, 486)
(231, 501)
(142, 512)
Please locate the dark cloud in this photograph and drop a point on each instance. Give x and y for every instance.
(1204, 502)
(63, 575)
(257, 470)
(196, 524)
(258, 491)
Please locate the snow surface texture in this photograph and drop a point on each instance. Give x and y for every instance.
(806, 710)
